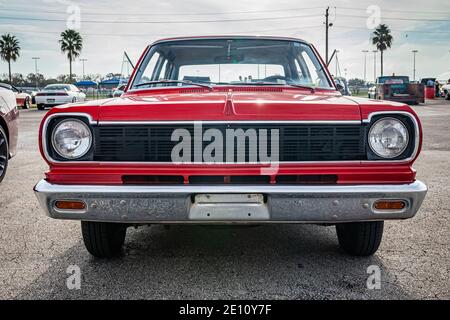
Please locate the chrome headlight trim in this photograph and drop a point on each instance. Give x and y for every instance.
(406, 137)
(415, 133)
(87, 146)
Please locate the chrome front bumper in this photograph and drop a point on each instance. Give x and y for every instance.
(230, 203)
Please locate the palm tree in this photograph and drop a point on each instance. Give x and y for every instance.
(9, 50)
(71, 44)
(382, 39)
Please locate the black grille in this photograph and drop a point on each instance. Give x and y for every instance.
(298, 142)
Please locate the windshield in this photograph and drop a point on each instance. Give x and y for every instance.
(231, 62)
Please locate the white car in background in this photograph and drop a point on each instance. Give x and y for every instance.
(57, 94)
(445, 91)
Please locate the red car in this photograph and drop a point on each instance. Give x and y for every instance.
(9, 115)
(231, 130)
(23, 99)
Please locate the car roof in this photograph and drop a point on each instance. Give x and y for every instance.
(229, 37)
(393, 77)
(5, 85)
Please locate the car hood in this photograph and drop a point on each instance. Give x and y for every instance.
(232, 105)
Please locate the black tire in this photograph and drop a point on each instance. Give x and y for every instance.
(26, 103)
(102, 239)
(360, 238)
(4, 153)
(40, 107)
(447, 95)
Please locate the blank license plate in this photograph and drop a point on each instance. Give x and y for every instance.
(229, 207)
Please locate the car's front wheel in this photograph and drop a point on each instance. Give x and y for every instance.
(4, 153)
(360, 238)
(103, 239)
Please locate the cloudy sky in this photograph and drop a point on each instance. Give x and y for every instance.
(110, 27)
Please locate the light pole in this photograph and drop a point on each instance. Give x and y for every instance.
(36, 70)
(83, 60)
(337, 63)
(365, 64)
(414, 64)
(326, 34)
(375, 66)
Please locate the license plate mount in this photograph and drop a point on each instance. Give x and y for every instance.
(229, 207)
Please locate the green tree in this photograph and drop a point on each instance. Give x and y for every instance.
(71, 44)
(64, 78)
(17, 79)
(33, 79)
(356, 82)
(49, 81)
(382, 39)
(9, 50)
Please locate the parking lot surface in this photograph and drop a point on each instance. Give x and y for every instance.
(195, 262)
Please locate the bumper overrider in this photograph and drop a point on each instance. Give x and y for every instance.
(230, 203)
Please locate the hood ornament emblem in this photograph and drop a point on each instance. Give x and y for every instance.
(229, 107)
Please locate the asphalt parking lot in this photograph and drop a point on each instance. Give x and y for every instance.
(267, 262)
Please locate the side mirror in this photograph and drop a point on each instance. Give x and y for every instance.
(339, 87)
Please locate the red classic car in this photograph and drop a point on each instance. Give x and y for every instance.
(231, 130)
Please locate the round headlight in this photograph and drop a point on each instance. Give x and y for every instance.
(388, 138)
(71, 138)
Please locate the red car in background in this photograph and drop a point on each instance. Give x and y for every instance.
(23, 99)
(231, 130)
(8, 128)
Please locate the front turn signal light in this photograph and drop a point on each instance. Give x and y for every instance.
(389, 205)
(70, 205)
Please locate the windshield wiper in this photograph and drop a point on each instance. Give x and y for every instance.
(265, 83)
(174, 81)
(302, 86)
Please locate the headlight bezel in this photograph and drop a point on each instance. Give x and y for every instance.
(52, 150)
(408, 151)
